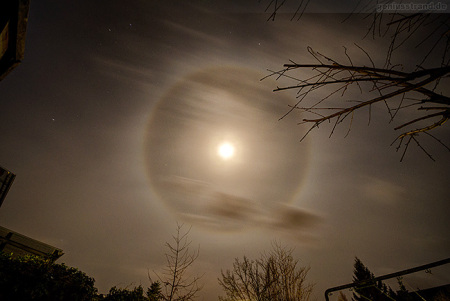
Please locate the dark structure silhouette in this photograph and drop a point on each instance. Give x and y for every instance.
(6, 180)
(13, 27)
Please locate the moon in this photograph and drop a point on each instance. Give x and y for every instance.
(216, 153)
(225, 150)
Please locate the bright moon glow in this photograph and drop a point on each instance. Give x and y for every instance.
(221, 165)
(226, 150)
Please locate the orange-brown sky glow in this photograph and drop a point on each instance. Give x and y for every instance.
(126, 117)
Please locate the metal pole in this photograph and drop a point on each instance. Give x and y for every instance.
(387, 276)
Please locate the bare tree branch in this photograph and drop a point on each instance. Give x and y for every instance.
(177, 284)
(274, 276)
(394, 88)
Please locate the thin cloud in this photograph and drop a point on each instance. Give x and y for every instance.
(294, 218)
(200, 203)
(383, 191)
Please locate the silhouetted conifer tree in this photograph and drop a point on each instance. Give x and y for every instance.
(369, 289)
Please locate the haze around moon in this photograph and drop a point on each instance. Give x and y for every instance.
(216, 153)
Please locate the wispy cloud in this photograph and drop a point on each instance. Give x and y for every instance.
(383, 191)
(200, 203)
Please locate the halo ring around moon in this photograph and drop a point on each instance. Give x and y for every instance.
(187, 125)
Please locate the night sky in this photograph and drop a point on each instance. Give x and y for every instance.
(113, 121)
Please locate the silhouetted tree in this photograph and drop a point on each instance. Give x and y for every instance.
(154, 292)
(124, 294)
(403, 294)
(274, 276)
(37, 278)
(370, 290)
(397, 86)
(177, 284)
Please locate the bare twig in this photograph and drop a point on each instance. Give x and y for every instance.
(177, 284)
(397, 89)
